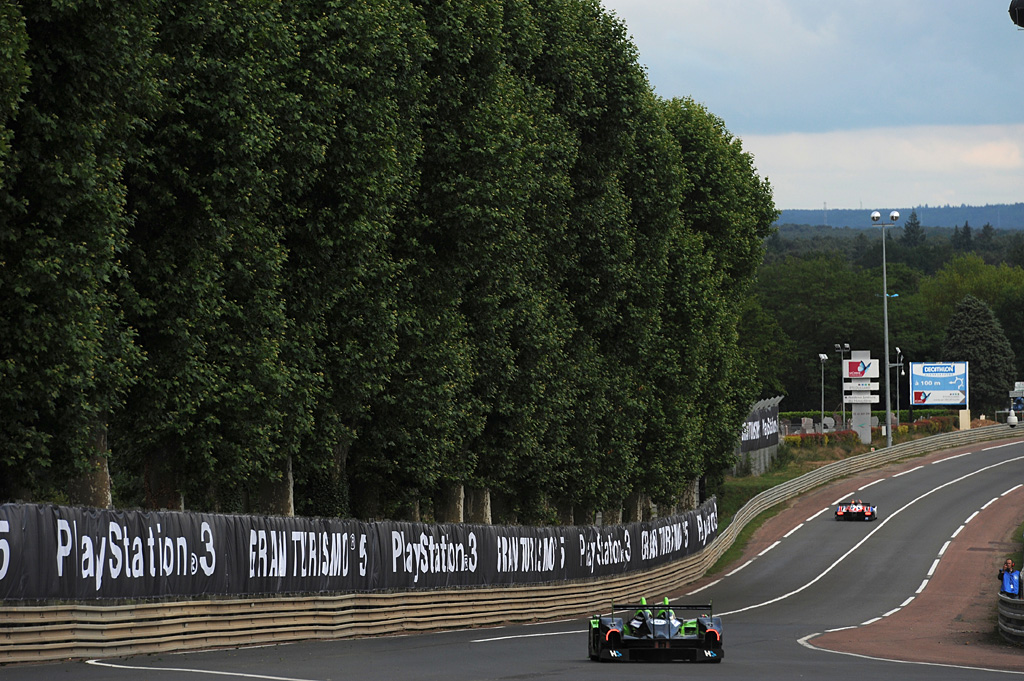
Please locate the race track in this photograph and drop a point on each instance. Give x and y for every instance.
(813, 598)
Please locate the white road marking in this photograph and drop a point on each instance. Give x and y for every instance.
(950, 458)
(706, 586)
(944, 547)
(910, 471)
(730, 574)
(1015, 487)
(508, 638)
(931, 570)
(817, 514)
(806, 643)
(210, 672)
(769, 548)
(921, 588)
(907, 602)
(1008, 444)
(786, 536)
(871, 483)
(866, 537)
(958, 531)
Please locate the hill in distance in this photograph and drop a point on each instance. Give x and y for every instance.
(1001, 216)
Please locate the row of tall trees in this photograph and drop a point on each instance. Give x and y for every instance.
(376, 254)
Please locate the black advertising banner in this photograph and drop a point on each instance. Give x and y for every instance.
(761, 429)
(59, 552)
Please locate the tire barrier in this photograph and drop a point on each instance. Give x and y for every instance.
(35, 633)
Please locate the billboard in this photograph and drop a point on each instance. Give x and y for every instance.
(938, 383)
(52, 552)
(860, 368)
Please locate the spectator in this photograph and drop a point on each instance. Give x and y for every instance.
(1009, 576)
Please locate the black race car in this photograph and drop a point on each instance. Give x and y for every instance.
(855, 509)
(656, 634)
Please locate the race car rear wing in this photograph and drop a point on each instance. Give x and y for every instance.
(703, 607)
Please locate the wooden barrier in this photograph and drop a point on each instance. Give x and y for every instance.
(94, 629)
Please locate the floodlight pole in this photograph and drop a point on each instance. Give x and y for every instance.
(822, 357)
(893, 217)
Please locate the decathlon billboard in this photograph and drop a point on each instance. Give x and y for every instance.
(938, 383)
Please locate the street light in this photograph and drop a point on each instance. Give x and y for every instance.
(893, 217)
(902, 372)
(822, 356)
(842, 349)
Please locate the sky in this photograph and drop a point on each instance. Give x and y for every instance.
(871, 104)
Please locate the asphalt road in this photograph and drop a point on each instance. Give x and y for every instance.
(818, 575)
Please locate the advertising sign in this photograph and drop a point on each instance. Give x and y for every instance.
(62, 552)
(761, 429)
(938, 383)
(860, 368)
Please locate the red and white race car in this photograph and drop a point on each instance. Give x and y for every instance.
(855, 509)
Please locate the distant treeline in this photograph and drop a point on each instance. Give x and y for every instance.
(1000, 216)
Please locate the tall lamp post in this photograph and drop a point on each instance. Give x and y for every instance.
(893, 217)
(842, 349)
(822, 356)
(898, 364)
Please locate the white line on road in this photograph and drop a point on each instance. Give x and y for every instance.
(210, 672)
(786, 536)
(866, 537)
(816, 515)
(910, 471)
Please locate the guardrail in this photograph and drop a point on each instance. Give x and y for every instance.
(1011, 618)
(78, 630)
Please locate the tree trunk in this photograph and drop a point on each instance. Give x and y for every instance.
(93, 487)
(478, 505)
(449, 505)
(277, 497)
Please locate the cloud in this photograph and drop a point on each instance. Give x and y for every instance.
(902, 166)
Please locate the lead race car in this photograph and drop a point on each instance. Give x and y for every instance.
(855, 509)
(656, 636)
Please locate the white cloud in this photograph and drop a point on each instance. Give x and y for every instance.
(909, 166)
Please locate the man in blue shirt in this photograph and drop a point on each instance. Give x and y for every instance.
(1009, 576)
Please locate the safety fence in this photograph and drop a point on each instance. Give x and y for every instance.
(1011, 618)
(85, 630)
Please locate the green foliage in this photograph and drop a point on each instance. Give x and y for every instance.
(390, 247)
(974, 335)
(68, 353)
